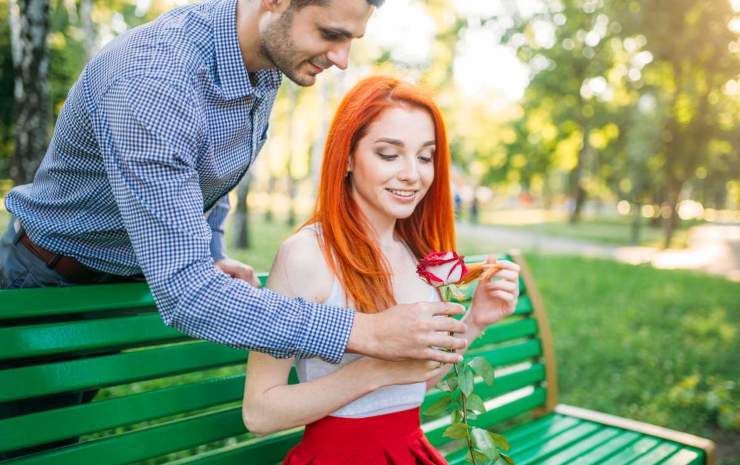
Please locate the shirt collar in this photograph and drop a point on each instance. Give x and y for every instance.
(232, 72)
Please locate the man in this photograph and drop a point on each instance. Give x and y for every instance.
(158, 128)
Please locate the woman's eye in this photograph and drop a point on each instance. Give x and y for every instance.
(425, 159)
(387, 156)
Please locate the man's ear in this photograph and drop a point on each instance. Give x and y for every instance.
(275, 6)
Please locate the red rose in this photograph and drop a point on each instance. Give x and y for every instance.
(442, 268)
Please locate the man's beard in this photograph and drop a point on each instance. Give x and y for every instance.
(278, 47)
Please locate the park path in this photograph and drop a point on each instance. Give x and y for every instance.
(712, 248)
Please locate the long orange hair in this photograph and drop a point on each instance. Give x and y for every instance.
(351, 254)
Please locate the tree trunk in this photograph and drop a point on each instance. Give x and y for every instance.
(271, 181)
(29, 21)
(88, 28)
(671, 222)
(636, 222)
(241, 215)
(577, 192)
(293, 100)
(317, 148)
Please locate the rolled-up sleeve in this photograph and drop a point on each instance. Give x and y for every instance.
(149, 132)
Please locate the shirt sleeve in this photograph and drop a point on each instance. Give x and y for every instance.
(150, 133)
(215, 218)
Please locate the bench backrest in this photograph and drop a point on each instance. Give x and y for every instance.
(167, 397)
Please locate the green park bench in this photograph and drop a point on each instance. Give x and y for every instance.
(166, 398)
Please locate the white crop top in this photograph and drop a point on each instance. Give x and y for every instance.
(388, 399)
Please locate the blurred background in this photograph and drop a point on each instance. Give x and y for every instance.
(602, 137)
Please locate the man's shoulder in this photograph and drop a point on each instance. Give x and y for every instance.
(172, 49)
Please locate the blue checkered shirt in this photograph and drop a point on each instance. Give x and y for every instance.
(158, 128)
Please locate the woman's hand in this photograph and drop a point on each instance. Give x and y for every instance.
(496, 298)
(401, 372)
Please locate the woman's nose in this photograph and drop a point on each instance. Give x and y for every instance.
(410, 171)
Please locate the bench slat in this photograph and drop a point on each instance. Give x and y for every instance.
(145, 443)
(658, 454)
(685, 457)
(109, 370)
(633, 451)
(52, 425)
(535, 399)
(571, 454)
(27, 303)
(84, 336)
(505, 383)
(609, 448)
(507, 355)
(263, 451)
(545, 425)
(506, 331)
(555, 444)
(48, 301)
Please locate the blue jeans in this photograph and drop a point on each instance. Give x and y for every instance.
(19, 267)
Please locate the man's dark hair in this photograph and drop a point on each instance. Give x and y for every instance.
(298, 4)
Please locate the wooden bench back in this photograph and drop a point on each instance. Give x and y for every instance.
(167, 397)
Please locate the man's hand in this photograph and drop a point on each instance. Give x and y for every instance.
(238, 270)
(409, 331)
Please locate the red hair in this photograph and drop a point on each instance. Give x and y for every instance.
(352, 255)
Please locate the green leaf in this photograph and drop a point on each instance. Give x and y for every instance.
(456, 431)
(499, 440)
(484, 443)
(438, 407)
(452, 382)
(472, 415)
(457, 416)
(484, 369)
(465, 379)
(443, 386)
(475, 403)
(507, 459)
(479, 456)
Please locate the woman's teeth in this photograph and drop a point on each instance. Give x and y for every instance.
(402, 193)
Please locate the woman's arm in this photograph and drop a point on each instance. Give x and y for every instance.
(270, 403)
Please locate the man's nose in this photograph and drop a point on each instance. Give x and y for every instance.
(339, 55)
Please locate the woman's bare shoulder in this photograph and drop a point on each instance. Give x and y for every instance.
(300, 268)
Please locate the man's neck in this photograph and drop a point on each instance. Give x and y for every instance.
(248, 32)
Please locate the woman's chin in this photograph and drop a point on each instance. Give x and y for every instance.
(400, 213)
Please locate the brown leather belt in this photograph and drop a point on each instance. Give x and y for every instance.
(68, 267)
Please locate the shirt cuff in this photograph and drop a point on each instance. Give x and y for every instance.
(326, 333)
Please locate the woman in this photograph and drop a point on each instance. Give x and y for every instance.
(384, 202)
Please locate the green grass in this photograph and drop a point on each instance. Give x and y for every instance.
(653, 345)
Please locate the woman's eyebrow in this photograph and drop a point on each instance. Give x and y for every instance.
(390, 141)
(400, 143)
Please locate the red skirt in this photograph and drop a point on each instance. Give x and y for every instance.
(391, 439)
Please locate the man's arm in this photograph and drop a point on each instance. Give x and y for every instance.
(149, 133)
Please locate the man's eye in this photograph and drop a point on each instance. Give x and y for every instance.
(328, 35)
